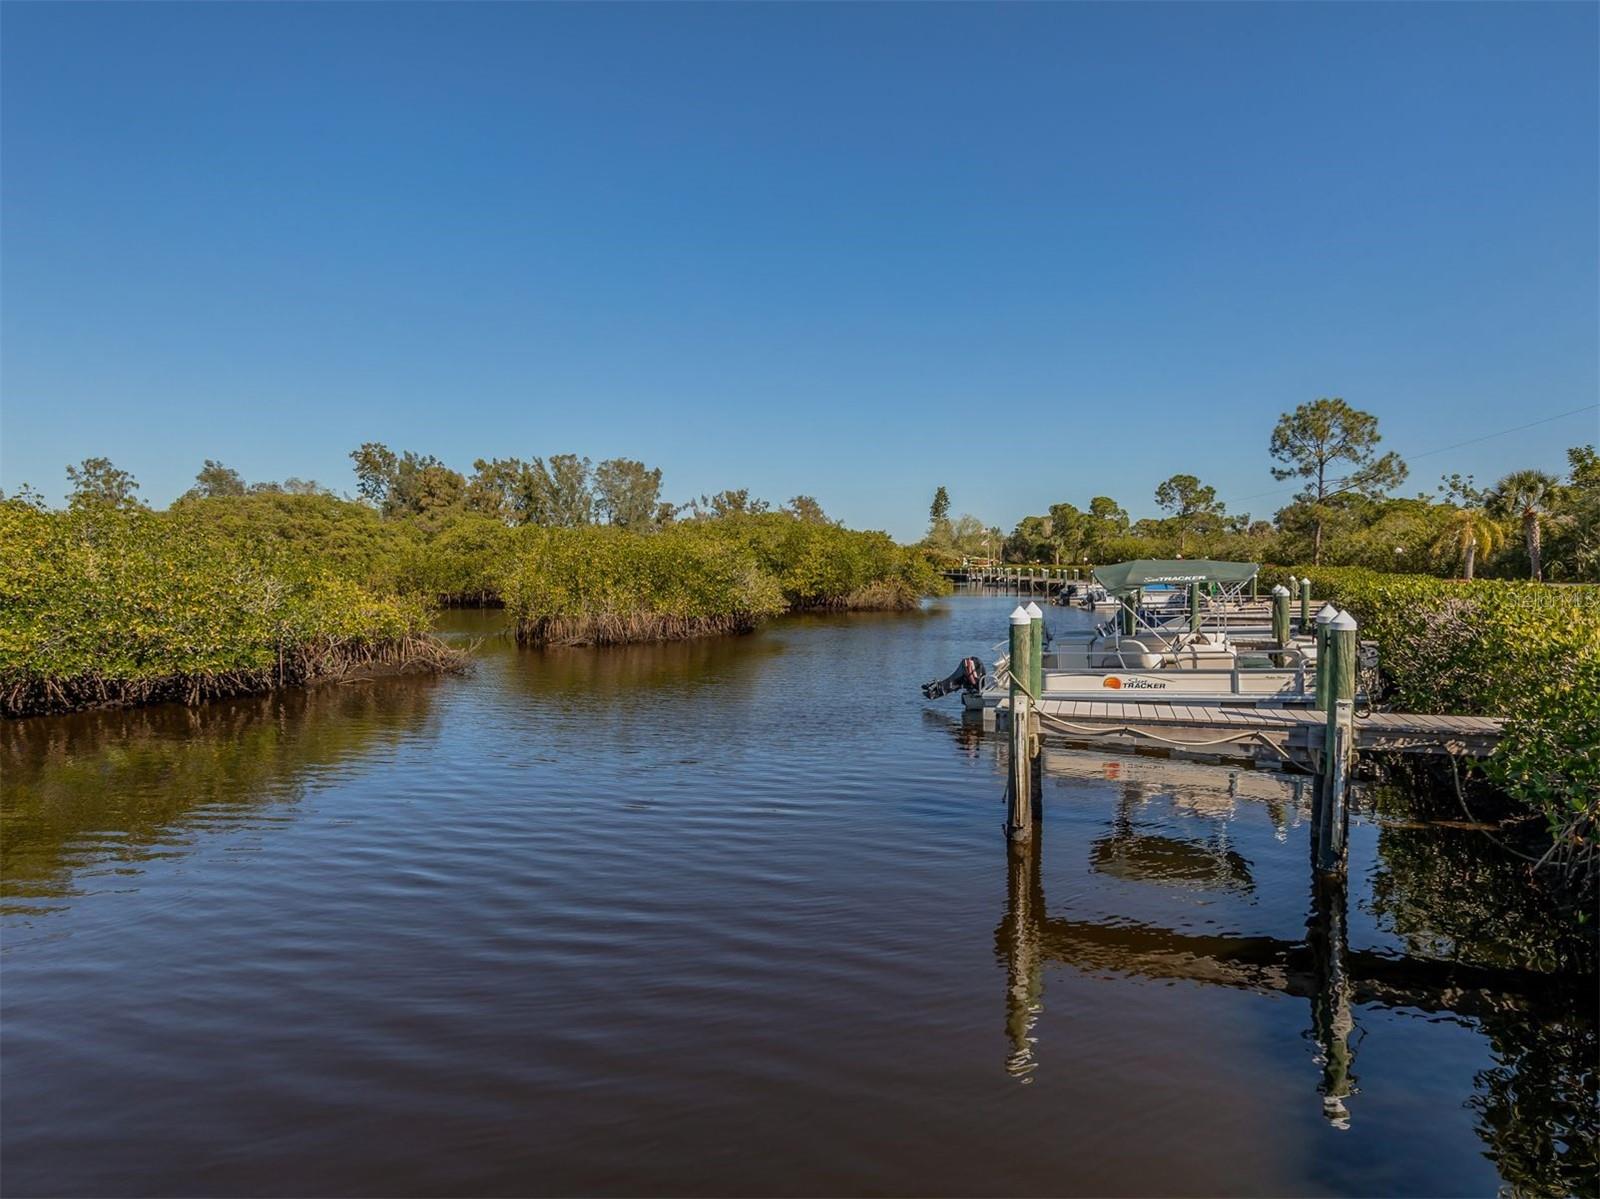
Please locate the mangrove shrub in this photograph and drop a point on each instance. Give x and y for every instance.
(1524, 651)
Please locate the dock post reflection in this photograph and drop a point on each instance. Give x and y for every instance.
(1332, 1021)
(1018, 943)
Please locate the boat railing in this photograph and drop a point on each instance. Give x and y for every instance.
(1302, 687)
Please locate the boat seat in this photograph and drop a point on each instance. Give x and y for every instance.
(1132, 654)
(1208, 651)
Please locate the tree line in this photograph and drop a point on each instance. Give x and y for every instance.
(1529, 523)
(563, 491)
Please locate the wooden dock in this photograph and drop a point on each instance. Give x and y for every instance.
(1316, 730)
(1263, 734)
(1022, 580)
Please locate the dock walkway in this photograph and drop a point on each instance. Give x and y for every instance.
(1284, 734)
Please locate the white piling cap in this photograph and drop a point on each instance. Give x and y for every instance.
(1035, 612)
(1326, 613)
(1342, 621)
(1279, 589)
(1019, 615)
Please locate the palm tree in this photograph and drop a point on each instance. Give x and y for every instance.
(1469, 530)
(1527, 494)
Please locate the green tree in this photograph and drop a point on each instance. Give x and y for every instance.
(290, 486)
(627, 493)
(940, 532)
(27, 496)
(1193, 505)
(559, 493)
(496, 488)
(408, 484)
(737, 502)
(1582, 513)
(969, 536)
(1068, 531)
(1029, 540)
(423, 486)
(1527, 495)
(435, 490)
(97, 481)
(1468, 531)
(1108, 520)
(1317, 437)
(375, 465)
(1462, 490)
(806, 508)
(214, 480)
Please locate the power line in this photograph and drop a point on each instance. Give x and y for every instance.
(1517, 429)
(1544, 420)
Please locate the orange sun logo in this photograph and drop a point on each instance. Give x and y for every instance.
(1114, 683)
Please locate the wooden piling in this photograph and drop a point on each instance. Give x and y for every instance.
(1340, 673)
(1333, 815)
(1194, 607)
(1019, 816)
(1036, 648)
(1280, 620)
(1324, 616)
(1338, 746)
(1305, 606)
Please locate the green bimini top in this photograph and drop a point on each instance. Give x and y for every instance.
(1146, 572)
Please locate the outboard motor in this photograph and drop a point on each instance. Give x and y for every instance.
(966, 677)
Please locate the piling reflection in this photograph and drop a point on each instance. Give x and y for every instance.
(1332, 1021)
(1536, 1107)
(1017, 942)
(116, 789)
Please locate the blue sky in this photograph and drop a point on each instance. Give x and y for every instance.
(1032, 253)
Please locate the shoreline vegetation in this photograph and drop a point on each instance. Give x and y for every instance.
(113, 607)
(1529, 652)
(607, 586)
(108, 603)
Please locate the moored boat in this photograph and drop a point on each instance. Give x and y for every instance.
(1177, 634)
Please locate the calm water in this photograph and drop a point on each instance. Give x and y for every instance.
(738, 917)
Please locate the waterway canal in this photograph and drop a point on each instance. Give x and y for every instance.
(737, 917)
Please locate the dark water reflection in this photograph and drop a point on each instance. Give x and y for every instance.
(91, 796)
(736, 916)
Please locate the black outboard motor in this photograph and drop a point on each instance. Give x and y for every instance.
(966, 677)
